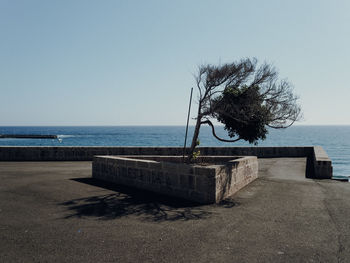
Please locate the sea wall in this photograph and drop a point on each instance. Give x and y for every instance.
(318, 163)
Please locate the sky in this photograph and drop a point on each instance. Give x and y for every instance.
(73, 62)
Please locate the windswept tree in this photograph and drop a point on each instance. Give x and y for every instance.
(246, 97)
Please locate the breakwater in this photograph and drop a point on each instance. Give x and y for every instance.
(27, 136)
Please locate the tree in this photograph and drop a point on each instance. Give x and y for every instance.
(246, 98)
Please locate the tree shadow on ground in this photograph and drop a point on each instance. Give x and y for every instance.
(128, 201)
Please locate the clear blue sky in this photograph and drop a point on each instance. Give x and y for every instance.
(116, 62)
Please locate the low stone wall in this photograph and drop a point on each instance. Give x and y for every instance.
(167, 175)
(318, 165)
(322, 164)
(86, 153)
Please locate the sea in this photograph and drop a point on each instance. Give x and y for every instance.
(334, 139)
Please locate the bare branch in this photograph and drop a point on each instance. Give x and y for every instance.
(214, 134)
(246, 98)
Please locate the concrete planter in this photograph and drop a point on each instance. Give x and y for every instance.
(220, 178)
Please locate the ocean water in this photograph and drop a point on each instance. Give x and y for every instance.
(334, 139)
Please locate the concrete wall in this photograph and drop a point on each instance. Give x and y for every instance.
(167, 175)
(76, 153)
(322, 164)
(318, 166)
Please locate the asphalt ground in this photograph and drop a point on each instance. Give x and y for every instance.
(55, 212)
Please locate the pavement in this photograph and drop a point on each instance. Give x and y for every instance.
(55, 212)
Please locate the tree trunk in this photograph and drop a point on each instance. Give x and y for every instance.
(195, 134)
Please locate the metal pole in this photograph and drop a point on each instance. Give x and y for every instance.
(188, 118)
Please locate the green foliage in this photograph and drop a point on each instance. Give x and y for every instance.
(247, 98)
(242, 111)
(196, 154)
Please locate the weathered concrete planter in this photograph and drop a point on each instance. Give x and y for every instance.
(221, 178)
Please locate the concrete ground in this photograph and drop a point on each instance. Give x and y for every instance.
(55, 212)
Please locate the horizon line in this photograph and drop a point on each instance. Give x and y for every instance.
(147, 125)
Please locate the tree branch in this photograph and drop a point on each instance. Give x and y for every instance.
(214, 134)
